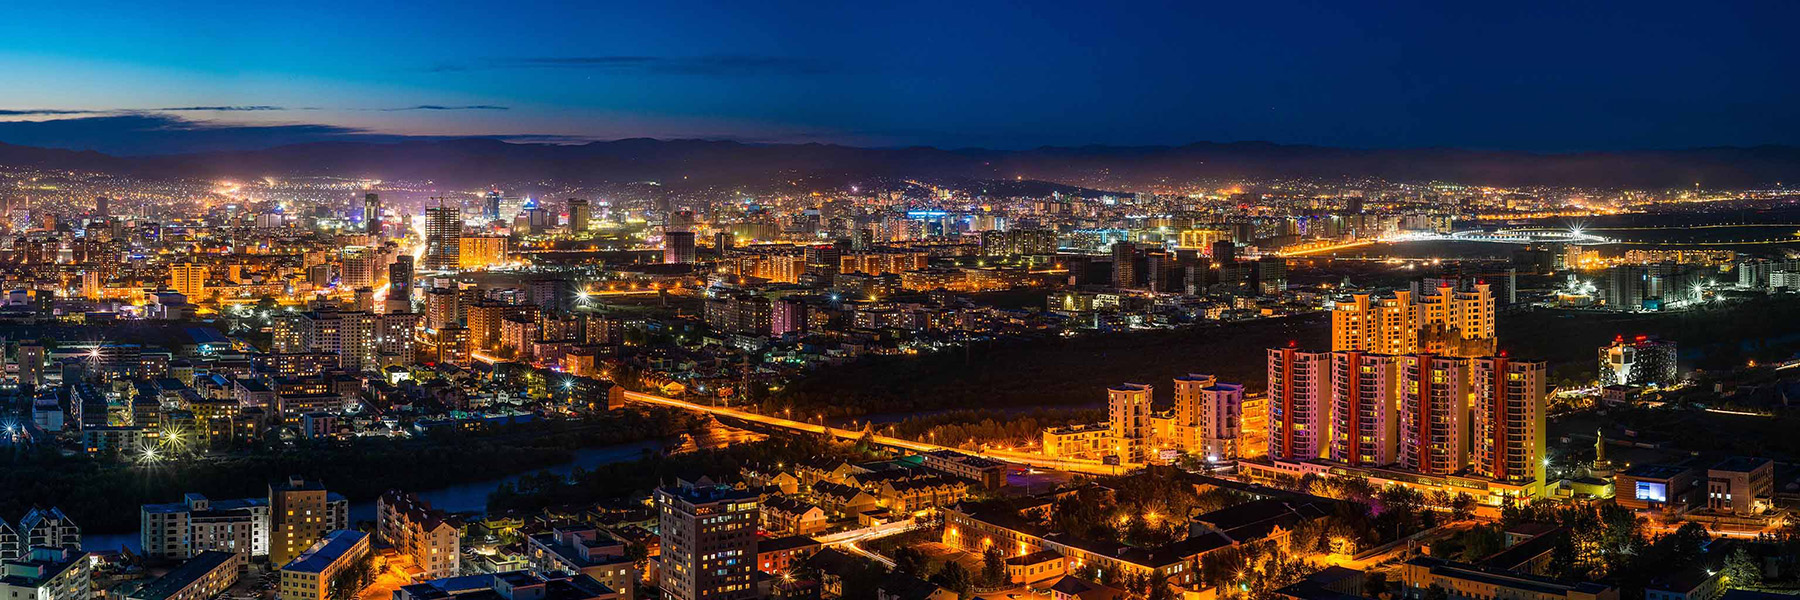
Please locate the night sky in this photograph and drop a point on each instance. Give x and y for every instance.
(1565, 76)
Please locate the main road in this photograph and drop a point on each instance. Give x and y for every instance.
(1012, 457)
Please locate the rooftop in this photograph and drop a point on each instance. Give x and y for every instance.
(326, 551)
(183, 576)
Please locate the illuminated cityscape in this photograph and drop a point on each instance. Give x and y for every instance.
(561, 301)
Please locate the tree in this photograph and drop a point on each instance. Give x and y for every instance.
(910, 561)
(1741, 571)
(1375, 584)
(954, 577)
(1436, 593)
(993, 566)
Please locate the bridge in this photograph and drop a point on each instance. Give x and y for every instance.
(1029, 459)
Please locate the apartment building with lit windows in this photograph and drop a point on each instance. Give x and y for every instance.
(1299, 414)
(1128, 413)
(1444, 320)
(1434, 414)
(708, 538)
(300, 513)
(1507, 414)
(1365, 396)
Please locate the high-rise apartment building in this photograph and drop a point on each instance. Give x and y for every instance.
(1365, 393)
(300, 513)
(1508, 419)
(1208, 415)
(443, 237)
(1299, 403)
(1221, 412)
(481, 251)
(1446, 321)
(708, 536)
(1128, 414)
(1434, 414)
(1124, 255)
(1188, 408)
(348, 334)
(189, 280)
(394, 338)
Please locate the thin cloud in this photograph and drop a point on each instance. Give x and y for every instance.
(26, 112)
(716, 65)
(250, 108)
(444, 107)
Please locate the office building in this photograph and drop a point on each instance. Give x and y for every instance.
(372, 215)
(1128, 415)
(1434, 414)
(400, 284)
(1365, 399)
(1643, 360)
(430, 537)
(708, 542)
(678, 247)
(309, 575)
(443, 237)
(579, 214)
(1742, 486)
(1299, 414)
(1507, 415)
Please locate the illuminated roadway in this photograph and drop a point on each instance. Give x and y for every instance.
(1022, 458)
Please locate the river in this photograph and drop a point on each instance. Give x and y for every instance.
(465, 497)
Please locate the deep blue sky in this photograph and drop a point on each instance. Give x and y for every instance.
(1557, 77)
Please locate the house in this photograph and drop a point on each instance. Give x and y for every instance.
(782, 515)
(842, 501)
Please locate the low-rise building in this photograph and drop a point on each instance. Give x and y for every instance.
(181, 530)
(1462, 581)
(510, 585)
(989, 474)
(782, 515)
(581, 549)
(47, 574)
(309, 575)
(1740, 485)
(432, 538)
(202, 577)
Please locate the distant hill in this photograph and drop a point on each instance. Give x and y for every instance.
(701, 162)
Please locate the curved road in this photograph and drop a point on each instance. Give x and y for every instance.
(1021, 458)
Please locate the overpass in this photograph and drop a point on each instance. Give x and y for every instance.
(1011, 457)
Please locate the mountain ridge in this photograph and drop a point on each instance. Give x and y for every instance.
(478, 161)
